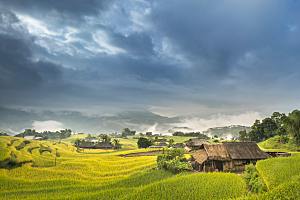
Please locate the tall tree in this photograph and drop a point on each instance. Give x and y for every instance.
(293, 125)
(127, 132)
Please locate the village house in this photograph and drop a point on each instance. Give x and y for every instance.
(195, 143)
(159, 145)
(178, 145)
(92, 145)
(33, 138)
(229, 156)
(104, 145)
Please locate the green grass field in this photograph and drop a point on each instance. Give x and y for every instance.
(274, 144)
(103, 174)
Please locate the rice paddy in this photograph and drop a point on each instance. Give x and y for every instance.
(104, 174)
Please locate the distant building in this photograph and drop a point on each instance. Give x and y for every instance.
(178, 145)
(99, 145)
(159, 145)
(161, 140)
(229, 156)
(195, 143)
(104, 145)
(33, 138)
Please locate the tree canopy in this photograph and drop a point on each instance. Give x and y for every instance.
(278, 124)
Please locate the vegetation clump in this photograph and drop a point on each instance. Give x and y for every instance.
(253, 180)
(173, 160)
(127, 132)
(144, 142)
(279, 124)
(46, 134)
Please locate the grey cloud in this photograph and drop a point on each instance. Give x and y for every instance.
(218, 54)
(74, 8)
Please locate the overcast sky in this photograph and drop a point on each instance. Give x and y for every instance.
(166, 56)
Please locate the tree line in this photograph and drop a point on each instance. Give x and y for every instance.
(278, 124)
(46, 134)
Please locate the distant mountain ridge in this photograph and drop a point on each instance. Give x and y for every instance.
(13, 121)
(17, 120)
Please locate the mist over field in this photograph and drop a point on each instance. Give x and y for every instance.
(141, 121)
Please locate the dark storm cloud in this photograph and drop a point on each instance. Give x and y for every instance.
(142, 53)
(21, 76)
(18, 70)
(216, 34)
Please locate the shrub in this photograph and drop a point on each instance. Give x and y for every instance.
(254, 181)
(173, 161)
(144, 142)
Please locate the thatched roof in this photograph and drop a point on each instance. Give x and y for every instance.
(178, 145)
(195, 142)
(229, 151)
(244, 150)
(216, 152)
(200, 156)
(104, 145)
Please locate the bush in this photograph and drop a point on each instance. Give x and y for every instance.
(144, 142)
(254, 181)
(173, 161)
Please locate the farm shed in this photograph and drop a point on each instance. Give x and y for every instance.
(104, 145)
(195, 143)
(159, 145)
(178, 145)
(229, 156)
(99, 145)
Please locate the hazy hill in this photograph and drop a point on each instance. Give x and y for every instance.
(14, 121)
(226, 131)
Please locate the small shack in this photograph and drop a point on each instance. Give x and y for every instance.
(159, 145)
(195, 143)
(92, 145)
(229, 156)
(178, 145)
(104, 145)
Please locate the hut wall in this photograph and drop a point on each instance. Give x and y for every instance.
(227, 166)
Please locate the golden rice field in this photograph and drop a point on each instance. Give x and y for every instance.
(104, 174)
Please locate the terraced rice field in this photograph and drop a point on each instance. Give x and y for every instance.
(94, 174)
(104, 174)
(277, 171)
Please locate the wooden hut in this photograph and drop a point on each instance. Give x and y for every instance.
(229, 156)
(178, 145)
(92, 145)
(104, 145)
(195, 143)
